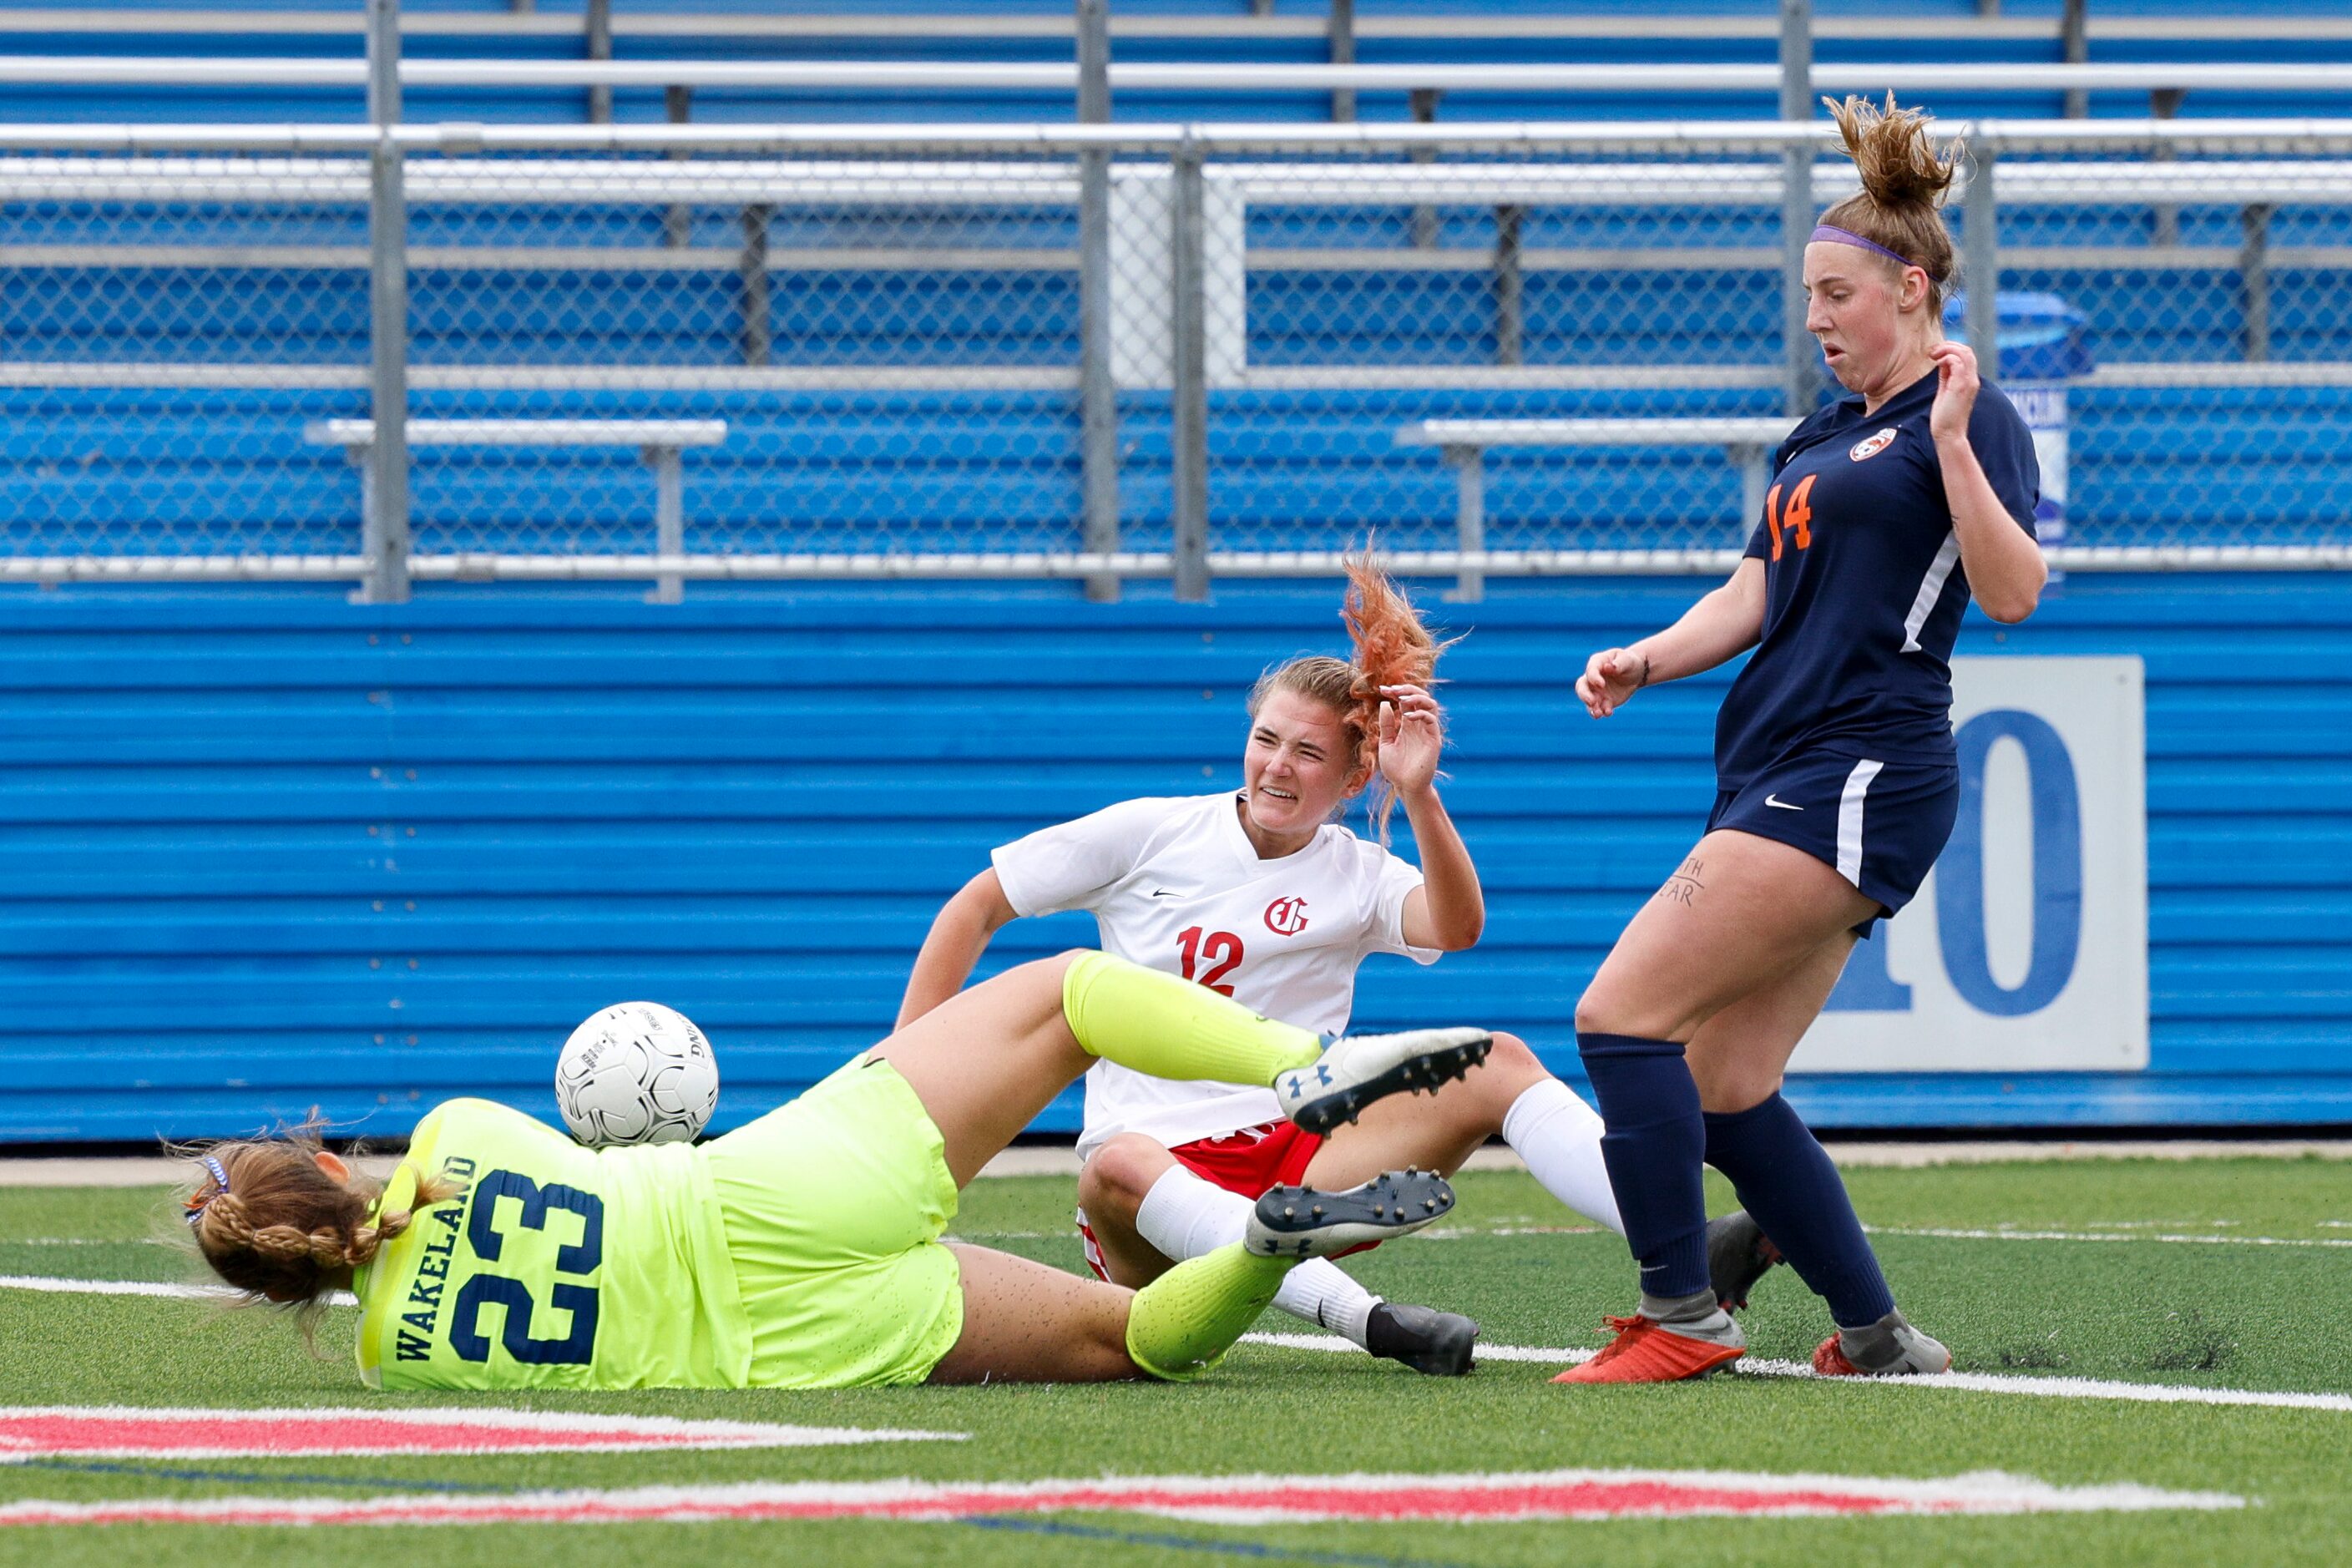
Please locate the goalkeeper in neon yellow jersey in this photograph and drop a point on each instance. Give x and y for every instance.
(803, 1250)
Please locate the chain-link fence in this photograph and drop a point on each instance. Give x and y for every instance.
(754, 362)
(160, 354)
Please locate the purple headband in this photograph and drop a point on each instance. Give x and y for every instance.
(1847, 236)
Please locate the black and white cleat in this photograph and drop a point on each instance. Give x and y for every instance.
(1356, 1070)
(1435, 1343)
(1301, 1222)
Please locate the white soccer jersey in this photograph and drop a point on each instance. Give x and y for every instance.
(1175, 884)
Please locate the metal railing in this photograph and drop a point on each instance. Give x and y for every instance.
(1240, 79)
(1300, 22)
(1795, 77)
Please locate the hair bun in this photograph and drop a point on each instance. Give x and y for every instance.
(1892, 152)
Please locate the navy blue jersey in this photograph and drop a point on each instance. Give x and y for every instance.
(1863, 591)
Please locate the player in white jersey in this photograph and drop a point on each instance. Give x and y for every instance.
(1262, 896)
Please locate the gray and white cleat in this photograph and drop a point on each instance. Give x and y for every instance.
(1356, 1070)
(1890, 1347)
(1301, 1222)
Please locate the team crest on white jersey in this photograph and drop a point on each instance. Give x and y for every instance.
(1287, 917)
(1871, 445)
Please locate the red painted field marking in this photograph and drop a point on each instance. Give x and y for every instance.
(122, 1432)
(1213, 1500)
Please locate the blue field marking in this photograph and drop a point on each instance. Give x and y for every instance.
(1256, 1548)
(157, 1472)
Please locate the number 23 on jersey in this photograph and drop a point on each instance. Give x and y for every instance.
(531, 1208)
(1798, 524)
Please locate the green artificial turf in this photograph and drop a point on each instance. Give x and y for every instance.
(2242, 1312)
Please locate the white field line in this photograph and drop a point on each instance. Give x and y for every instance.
(2117, 1230)
(55, 1286)
(1971, 1382)
(1919, 1156)
(1474, 1231)
(2165, 1224)
(2171, 1239)
(113, 1287)
(1965, 1382)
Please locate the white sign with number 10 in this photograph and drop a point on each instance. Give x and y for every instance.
(2028, 947)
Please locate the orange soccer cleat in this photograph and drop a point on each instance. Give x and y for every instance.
(1646, 1350)
(1829, 1359)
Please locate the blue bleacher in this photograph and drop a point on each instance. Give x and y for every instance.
(180, 472)
(1297, 468)
(538, 38)
(930, 470)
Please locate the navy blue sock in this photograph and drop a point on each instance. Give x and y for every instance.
(1654, 1148)
(1785, 1178)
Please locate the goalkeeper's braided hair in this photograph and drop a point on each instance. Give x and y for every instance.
(280, 1230)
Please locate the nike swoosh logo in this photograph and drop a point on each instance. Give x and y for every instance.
(1784, 806)
(1161, 894)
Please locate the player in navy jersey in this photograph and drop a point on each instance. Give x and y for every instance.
(1836, 778)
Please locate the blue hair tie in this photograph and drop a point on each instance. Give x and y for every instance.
(220, 1186)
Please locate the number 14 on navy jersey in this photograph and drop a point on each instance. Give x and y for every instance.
(1864, 588)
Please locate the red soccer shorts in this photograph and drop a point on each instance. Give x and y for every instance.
(1246, 1161)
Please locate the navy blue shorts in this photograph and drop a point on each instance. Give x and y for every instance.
(1880, 824)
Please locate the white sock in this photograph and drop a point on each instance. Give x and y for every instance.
(1184, 1216)
(1560, 1138)
(1326, 1295)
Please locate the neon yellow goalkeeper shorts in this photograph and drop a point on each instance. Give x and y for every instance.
(834, 1206)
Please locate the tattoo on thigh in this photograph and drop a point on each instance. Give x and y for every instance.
(1684, 884)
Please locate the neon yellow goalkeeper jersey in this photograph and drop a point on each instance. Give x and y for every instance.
(557, 1266)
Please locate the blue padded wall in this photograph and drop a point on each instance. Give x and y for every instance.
(264, 850)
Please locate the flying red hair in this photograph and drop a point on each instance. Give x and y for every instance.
(1391, 647)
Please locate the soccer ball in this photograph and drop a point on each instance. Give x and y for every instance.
(637, 1072)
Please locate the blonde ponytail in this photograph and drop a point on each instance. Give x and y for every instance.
(1905, 184)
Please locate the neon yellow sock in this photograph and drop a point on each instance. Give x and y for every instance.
(1172, 1028)
(1184, 1322)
